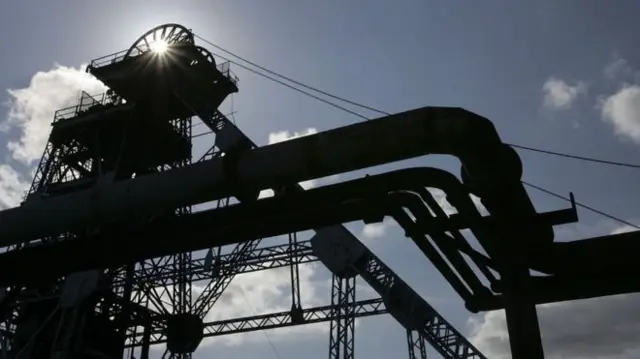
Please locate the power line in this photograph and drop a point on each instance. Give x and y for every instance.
(576, 157)
(580, 204)
(292, 87)
(286, 84)
(292, 80)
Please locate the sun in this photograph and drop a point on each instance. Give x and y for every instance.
(159, 47)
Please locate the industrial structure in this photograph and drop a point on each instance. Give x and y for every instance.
(116, 191)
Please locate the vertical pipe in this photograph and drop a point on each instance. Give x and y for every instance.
(522, 317)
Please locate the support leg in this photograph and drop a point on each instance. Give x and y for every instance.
(341, 340)
(417, 345)
(522, 317)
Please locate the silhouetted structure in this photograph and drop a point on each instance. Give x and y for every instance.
(110, 216)
(103, 297)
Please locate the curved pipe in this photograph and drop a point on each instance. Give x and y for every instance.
(340, 203)
(412, 231)
(226, 226)
(429, 130)
(450, 246)
(457, 239)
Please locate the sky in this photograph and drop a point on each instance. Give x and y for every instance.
(562, 76)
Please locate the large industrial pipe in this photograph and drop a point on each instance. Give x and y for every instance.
(339, 203)
(429, 130)
(316, 208)
(553, 289)
(324, 206)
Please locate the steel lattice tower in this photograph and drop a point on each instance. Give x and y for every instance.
(130, 132)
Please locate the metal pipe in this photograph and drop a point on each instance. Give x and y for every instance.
(323, 206)
(553, 289)
(316, 208)
(429, 130)
(345, 202)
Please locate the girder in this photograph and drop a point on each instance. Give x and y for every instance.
(448, 341)
(342, 327)
(403, 303)
(257, 259)
(214, 289)
(283, 319)
(437, 331)
(417, 345)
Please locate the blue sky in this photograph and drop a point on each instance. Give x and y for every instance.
(556, 75)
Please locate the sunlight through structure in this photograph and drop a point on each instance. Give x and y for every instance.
(160, 47)
(112, 216)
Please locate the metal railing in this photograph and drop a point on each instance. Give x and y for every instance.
(109, 59)
(85, 103)
(223, 68)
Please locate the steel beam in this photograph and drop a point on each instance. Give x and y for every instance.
(417, 345)
(364, 308)
(342, 327)
(403, 303)
(255, 260)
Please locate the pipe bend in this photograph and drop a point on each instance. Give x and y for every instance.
(413, 203)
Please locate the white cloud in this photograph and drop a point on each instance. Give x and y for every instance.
(263, 292)
(12, 187)
(560, 95)
(624, 229)
(622, 110)
(377, 230)
(282, 136)
(268, 292)
(31, 109)
(30, 113)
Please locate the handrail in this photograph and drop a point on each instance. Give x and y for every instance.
(223, 68)
(94, 100)
(107, 60)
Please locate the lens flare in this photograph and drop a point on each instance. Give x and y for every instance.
(159, 46)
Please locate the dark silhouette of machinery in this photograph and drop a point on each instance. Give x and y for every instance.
(100, 296)
(110, 216)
